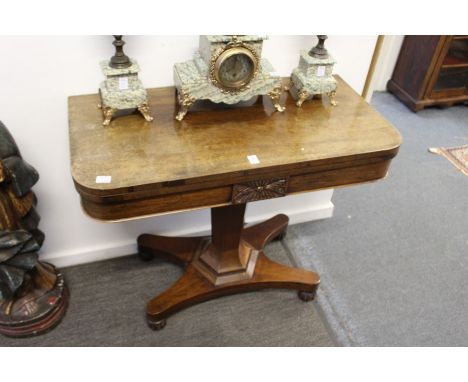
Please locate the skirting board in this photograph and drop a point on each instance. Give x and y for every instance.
(99, 253)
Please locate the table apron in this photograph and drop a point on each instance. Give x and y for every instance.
(116, 209)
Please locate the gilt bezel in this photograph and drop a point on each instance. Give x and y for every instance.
(231, 49)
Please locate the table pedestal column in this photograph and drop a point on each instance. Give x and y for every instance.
(230, 261)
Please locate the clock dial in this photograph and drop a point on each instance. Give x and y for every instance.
(236, 70)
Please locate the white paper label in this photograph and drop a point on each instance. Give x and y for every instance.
(321, 71)
(274, 74)
(103, 179)
(123, 83)
(253, 159)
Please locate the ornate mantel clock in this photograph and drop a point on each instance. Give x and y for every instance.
(314, 76)
(227, 69)
(122, 90)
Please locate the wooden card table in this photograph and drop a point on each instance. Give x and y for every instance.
(222, 158)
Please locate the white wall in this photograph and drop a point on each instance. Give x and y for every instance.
(39, 73)
(386, 63)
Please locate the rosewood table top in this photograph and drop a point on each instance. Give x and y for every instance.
(166, 165)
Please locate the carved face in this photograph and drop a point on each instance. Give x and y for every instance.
(235, 68)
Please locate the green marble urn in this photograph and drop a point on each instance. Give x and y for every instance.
(226, 69)
(122, 89)
(314, 74)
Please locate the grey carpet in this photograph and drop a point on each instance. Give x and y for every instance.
(394, 259)
(108, 300)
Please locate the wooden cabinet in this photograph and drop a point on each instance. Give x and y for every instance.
(431, 70)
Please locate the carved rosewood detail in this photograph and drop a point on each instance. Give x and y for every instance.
(259, 190)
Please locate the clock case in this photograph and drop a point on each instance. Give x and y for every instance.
(196, 79)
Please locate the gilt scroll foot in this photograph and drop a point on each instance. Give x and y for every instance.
(332, 95)
(302, 96)
(185, 103)
(108, 113)
(145, 112)
(275, 96)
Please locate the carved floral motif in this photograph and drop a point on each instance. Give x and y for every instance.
(259, 190)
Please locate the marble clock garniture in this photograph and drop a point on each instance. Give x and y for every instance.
(122, 89)
(226, 69)
(314, 75)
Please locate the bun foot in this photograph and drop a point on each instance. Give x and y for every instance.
(307, 296)
(281, 236)
(145, 256)
(157, 325)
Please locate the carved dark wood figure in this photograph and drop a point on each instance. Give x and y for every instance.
(33, 295)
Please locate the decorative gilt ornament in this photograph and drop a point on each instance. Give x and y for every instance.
(122, 89)
(314, 75)
(226, 69)
(33, 294)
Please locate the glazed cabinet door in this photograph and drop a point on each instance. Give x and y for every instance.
(452, 77)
